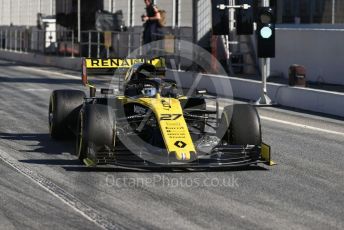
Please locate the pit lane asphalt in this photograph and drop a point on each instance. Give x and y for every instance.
(304, 191)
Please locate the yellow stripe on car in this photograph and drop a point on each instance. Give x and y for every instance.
(173, 127)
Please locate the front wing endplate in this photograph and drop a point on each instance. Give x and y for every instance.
(266, 154)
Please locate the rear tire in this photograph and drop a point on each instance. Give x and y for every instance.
(240, 125)
(95, 130)
(64, 107)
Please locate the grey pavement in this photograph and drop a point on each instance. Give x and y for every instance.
(304, 191)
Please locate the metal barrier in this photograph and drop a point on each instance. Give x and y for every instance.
(110, 43)
(60, 42)
(93, 43)
(171, 43)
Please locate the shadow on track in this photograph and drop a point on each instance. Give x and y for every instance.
(160, 170)
(4, 79)
(42, 80)
(7, 64)
(48, 146)
(45, 144)
(51, 162)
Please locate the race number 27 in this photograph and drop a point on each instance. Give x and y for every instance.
(170, 117)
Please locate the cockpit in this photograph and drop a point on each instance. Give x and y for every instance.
(143, 80)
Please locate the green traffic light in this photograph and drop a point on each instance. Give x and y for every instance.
(266, 32)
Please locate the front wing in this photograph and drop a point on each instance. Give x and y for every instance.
(220, 157)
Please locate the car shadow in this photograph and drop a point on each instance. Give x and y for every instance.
(50, 81)
(60, 162)
(8, 64)
(83, 168)
(5, 79)
(45, 145)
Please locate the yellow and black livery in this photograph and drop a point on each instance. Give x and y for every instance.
(145, 114)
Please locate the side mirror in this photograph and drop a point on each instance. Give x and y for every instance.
(201, 91)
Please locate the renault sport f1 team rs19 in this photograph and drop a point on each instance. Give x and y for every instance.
(147, 122)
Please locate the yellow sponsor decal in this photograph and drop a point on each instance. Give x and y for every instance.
(172, 125)
(122, 63)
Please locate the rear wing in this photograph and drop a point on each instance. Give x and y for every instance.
(109, 66)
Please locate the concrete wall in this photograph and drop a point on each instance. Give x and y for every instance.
(24, 12)
(301, 98)
(186, 13)
(42, 60)
(321, 51)
(203, 22)
(121, 5)
(138, 10)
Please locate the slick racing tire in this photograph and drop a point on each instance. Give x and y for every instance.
(64, 107)
(95, 131)
(240, 125)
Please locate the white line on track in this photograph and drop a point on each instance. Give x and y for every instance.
(48, 72)
(37, 89)
(67, 198)
(301, 125)
(295, 124)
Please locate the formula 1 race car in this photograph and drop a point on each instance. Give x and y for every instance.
(143, 121)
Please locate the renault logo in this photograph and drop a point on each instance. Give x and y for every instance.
(180, 144)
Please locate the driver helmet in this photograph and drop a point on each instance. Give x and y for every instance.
(149, 91)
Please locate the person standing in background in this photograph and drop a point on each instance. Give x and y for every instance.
(151, 22)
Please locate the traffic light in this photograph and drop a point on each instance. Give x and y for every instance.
(220, 18)
(266, 32)
(245, 17)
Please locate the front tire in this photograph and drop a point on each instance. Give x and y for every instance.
(240, 125)
(95, 131)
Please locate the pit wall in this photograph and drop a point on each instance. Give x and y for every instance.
(301, 98)
(296, 97)
(317, 47)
